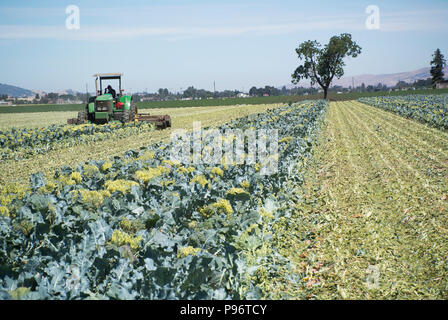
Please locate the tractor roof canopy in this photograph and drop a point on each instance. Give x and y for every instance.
(109, 76)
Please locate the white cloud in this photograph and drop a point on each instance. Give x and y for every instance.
(107, 33)
(414, 20)
(390, 21)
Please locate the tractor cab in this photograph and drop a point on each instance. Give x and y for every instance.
(104, 77)
(118, 99)
(104, 107)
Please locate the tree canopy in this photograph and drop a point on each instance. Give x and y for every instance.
(437, 64)
(322, 64)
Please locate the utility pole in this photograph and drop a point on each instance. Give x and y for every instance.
(214, 89)
(353, 83)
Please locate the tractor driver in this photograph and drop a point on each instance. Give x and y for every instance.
(111, 91)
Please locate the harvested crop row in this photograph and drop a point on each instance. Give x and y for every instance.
(25, 142)
(373, 223)
(142, 226)
(430, 109)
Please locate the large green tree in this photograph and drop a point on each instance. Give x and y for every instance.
(322, 64)
(437, 64)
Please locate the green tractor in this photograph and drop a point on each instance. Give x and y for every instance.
(110, 106)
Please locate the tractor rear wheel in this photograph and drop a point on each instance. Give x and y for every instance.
(82, 117)
(132, 112)
(125, 117)
(90, 116)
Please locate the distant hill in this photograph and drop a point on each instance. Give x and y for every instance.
(387, 79)
(14, 91)
(68, 91)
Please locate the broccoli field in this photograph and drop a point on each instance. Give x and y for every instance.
(357, 208)
(141, 227)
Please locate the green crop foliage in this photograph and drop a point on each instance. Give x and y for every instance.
(21, 143)
(429, 109)
(143, 227)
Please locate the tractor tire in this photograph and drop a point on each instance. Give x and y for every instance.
(90, 116)
(133, 112)
(82, 117)
(167, 122)
(125, 117)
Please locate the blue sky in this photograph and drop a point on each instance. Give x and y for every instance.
(175, 44)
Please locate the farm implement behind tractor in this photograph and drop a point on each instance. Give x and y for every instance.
(110, 106)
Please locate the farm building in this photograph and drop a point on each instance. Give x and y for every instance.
(442, 85)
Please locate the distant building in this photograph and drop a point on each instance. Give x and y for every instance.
(442, 85)
(68, 101)
(26, 99)
(243, 95)
(147, 99)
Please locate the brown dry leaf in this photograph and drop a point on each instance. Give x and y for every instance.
(311, 282)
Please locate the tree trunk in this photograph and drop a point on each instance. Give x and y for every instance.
(325, 92)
